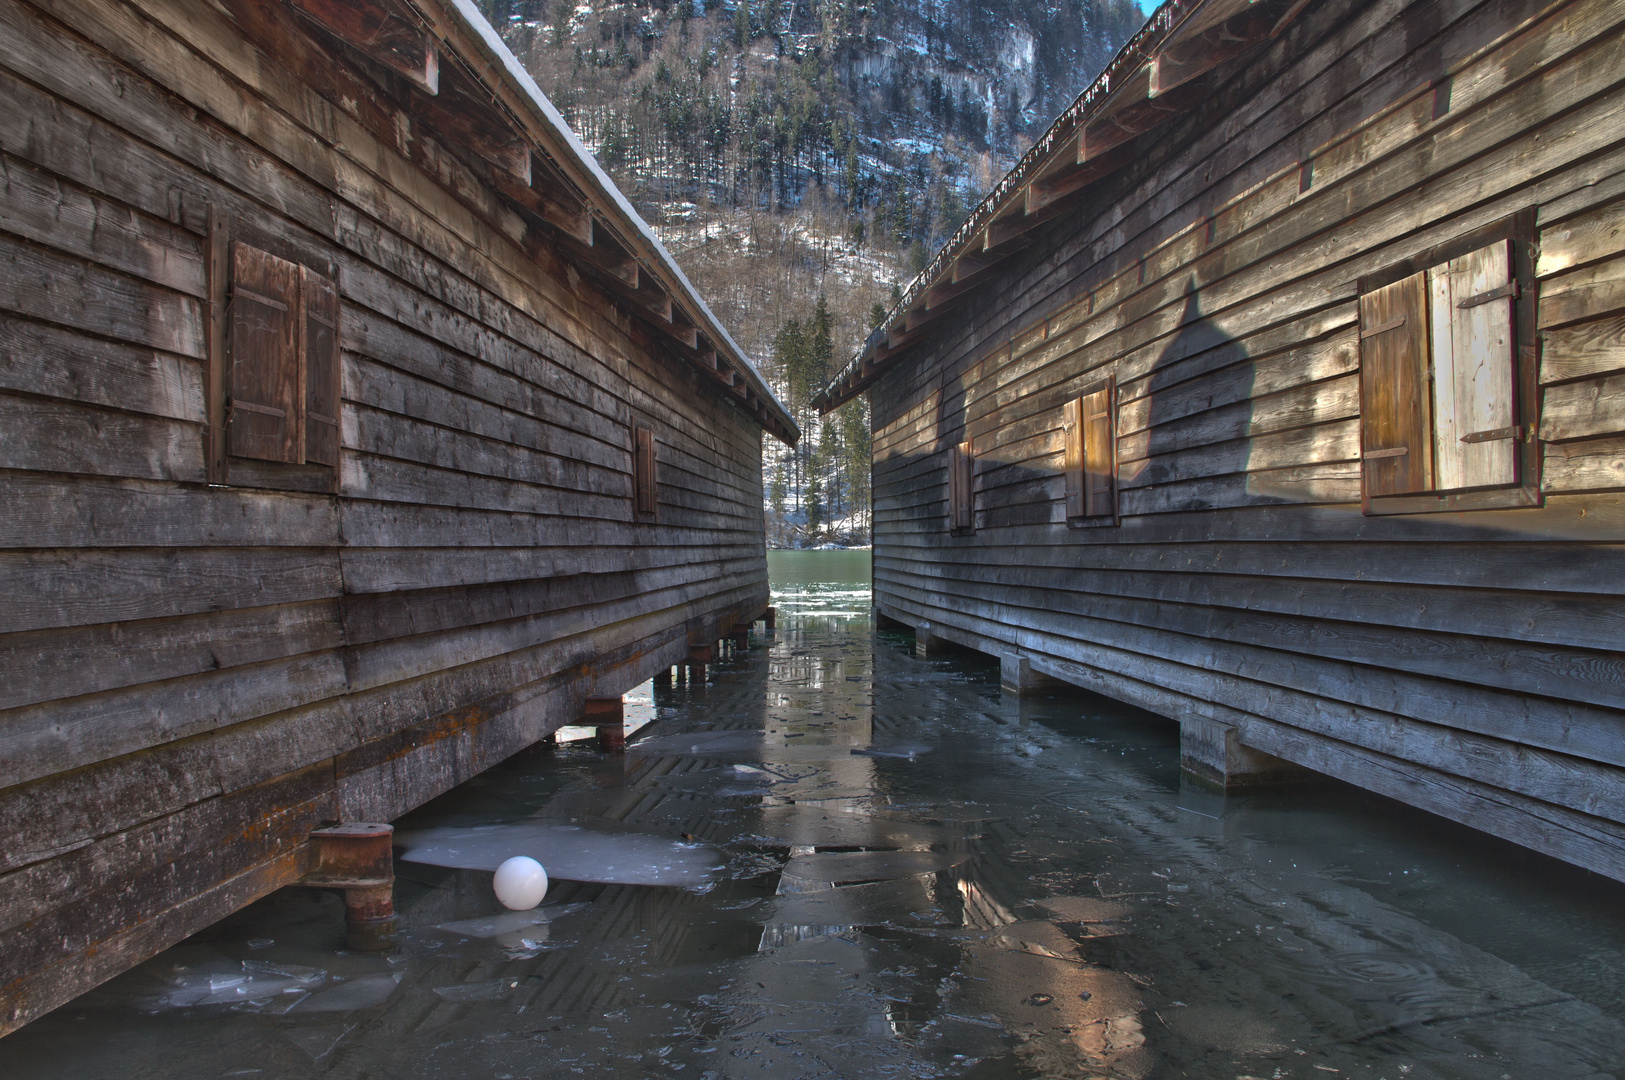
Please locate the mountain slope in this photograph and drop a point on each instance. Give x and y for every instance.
(791, 151)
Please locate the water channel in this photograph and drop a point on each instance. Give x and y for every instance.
(875, 865)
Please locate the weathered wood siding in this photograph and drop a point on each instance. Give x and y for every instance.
(1468, 662)
(196, 676)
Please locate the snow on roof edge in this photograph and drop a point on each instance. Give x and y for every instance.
(476, 21)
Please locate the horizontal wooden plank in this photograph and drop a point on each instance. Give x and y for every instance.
(70, 220)
(40, 740)
(1586, 465)
(1277, 642)
(61, 437)
(1584, 294)
(392, 570)
(1528, 616)
(36, 994)
(37, 358)
(116, 793)
(88, 587)
(1228, 673)
(1576, 410)
(47, 665)
(1590, 237)
(61, 512)
(118, 878)
(1595, 569)
(51, 287)
(1584, 350)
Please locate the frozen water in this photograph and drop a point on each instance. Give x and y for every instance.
(568, 852)
(1039, 895)
(362, 992)
(490, 926)
(907, 751)
(822, 870)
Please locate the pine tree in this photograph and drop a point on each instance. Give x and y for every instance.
(820, 346)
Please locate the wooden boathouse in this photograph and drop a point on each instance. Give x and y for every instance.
(1280, 390)
(354, 432)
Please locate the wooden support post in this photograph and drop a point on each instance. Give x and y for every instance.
(663, 677)
(1016, 676)
(357, 857)
(926, 643)
(608, 715)
(740, 637)
(770, 617)
(698, 657)
(1213, 753)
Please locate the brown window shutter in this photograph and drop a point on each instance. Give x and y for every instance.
(1099, 453)
(643, 465)
(1395, 425)
(1475, 433)
(319, 340)
(1074, 458)
(960, 466)
(263, 417)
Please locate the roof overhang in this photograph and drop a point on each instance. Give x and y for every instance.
(472, 92)
(1152, 79)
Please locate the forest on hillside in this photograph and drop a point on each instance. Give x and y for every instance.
(803, 159)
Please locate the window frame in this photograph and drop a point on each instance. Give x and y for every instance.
(1075, 465)
(962, 488)
(645, 473)
(312, 271)
(1525, 491)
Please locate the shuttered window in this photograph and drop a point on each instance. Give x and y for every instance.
(319, 339)
(1471, 324)
(643, 469)
(283, 395)
(1091, 454)
(961, 469)
(1437, 378)
(267, 388)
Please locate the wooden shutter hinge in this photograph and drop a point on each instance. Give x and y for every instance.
(1494, 434)
(1395, 451)
(1383, 328)
(1509, 289)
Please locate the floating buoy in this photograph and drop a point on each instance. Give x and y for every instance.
(520, 883)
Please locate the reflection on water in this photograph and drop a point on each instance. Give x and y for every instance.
(1029, 891)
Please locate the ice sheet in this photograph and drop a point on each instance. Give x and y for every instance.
(567, 852)
(361, 992)
(807, 873)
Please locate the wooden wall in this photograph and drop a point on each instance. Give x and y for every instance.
(1468, 662)
(196, 676)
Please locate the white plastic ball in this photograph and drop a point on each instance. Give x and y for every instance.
(520, 883)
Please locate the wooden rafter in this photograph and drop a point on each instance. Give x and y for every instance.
(381, 34)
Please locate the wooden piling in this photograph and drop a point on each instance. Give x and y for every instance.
(608, 715)
(357, 857)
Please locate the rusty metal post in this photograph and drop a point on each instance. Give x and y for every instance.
(770, 617)
(357, 858)
(698, 657)
(608, 715)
